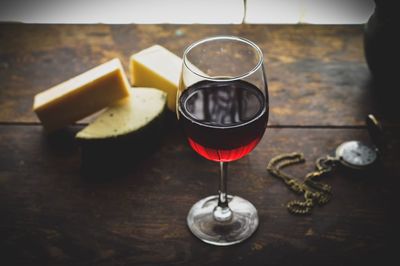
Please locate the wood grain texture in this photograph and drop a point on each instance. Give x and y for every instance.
(52, 215)
(317, 75)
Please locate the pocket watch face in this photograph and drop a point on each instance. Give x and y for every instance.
(356, 154)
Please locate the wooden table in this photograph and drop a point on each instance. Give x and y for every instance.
(320, 92)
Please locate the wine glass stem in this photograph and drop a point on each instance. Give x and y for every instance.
(222, 212)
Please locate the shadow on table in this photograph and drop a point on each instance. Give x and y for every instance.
(109, 159)
(114, 161)
(387, 103)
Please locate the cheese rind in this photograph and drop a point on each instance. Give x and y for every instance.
(81, 96)
(123, 134)
(126, 116)
(159, 68)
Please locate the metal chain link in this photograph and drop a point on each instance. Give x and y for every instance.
(314, 192)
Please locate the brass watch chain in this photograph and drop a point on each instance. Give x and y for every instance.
(314, 192)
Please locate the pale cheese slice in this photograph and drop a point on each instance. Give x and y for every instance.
(126, 116)
(159, 68)
(81, 96)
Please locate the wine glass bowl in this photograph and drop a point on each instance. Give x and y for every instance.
(222, 106)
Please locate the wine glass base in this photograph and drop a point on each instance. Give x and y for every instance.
(242, 225)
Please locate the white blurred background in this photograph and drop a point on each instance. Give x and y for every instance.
(187, 11)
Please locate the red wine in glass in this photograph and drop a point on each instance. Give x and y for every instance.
(222, 106)
(223, 120)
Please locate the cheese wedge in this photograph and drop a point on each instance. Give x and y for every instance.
(123, 134)
(81, 96)
(159, 68)
(127, 116)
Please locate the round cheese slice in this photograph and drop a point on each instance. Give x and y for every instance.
(127, 116)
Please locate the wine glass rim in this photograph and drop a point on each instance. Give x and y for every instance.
(224, 37)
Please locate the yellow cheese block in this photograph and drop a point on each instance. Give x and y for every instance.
(81, 96)
(159, 68)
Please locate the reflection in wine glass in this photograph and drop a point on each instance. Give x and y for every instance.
(222, 105)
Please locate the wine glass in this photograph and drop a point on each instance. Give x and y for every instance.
(222, 106)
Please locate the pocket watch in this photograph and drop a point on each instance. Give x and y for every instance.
(352, 154)
(358, 155)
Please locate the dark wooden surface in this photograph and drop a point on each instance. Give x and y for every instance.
(320, 91)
